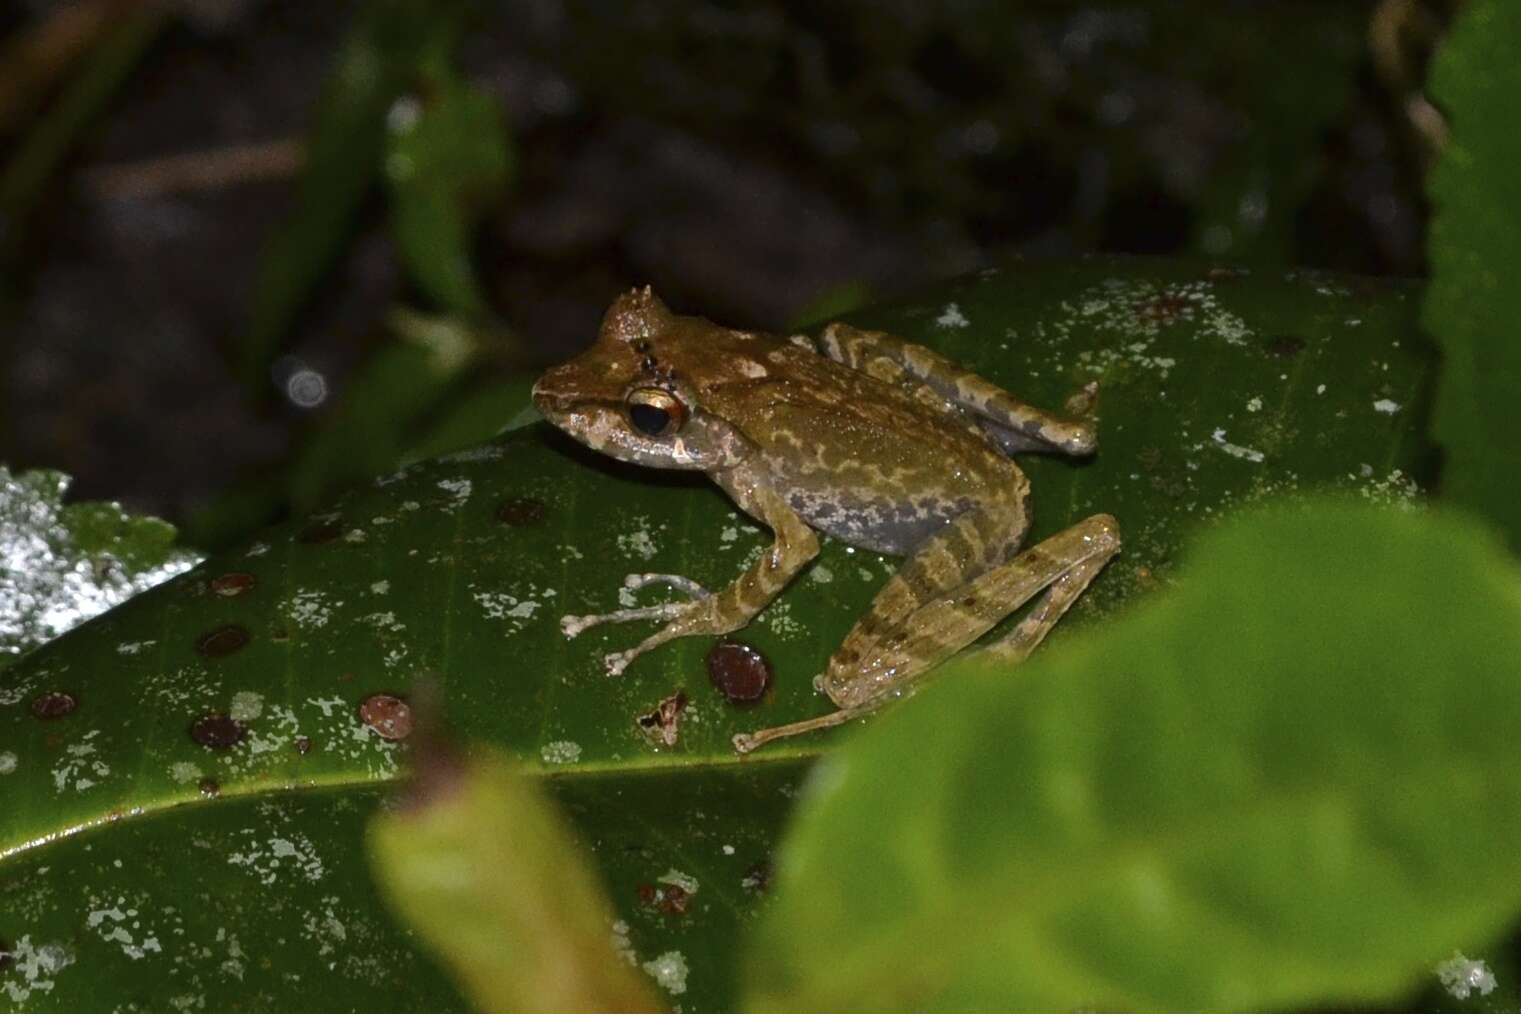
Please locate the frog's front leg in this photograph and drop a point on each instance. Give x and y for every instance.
(1014, 424)
(704, 613)
(919, 620)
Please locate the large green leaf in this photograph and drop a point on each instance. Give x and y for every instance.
(1217, 387)
(1281, 784)
(1474, 303)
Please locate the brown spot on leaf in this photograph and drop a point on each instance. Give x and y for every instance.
(54, 704)
(1223, 273)
(216, 731)
(521, 510)
(668, 899)
(222, 641)
(739, 672)
(663, 724)
(233, 583)
(303, 745)
(210, 787)
(388, 715)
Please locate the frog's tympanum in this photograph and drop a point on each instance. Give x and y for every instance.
(863, 436)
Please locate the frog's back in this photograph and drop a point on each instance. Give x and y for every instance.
(877, 464)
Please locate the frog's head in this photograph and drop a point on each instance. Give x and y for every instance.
(627, 395)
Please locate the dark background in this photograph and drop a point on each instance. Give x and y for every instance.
(759, 163)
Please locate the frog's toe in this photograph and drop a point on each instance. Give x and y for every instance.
(618, 661)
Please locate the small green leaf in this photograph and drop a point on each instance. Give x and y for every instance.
(61, 565)
(446, 157)
(343, 155)
(1473, 304)
(483, 867)
(1290, 780)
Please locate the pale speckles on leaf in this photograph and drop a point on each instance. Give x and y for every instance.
(1462, 976)
(184, 772)
(310, 609)
(380, 588)
(34, 968)
(7, 762)
(669, 971)
(952, 316)
(122, 924)
(458, 489)
(81, 765)
(246, 706)
(1235, 450)
(1385, 406)
(290, 853)
(821, 574)
(1254, 405)
(561, 751)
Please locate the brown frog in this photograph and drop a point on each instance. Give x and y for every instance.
(866, 437)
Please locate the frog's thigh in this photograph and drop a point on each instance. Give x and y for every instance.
(1062, 565)
(1016, 425)
(971, 544)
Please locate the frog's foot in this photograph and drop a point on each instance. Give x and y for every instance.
(616, 662)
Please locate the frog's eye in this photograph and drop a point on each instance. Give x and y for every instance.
(655, 411)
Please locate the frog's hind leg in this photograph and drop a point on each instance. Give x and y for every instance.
(1061, 566)
(972, 544)
(1014, 424)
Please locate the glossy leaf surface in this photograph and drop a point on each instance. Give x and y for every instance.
(1217, 387)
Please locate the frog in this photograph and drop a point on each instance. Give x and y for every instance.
(857, 435)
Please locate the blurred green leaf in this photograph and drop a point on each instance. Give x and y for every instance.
(1217, 387)
(496, 406)
(1289, 781)
(1473, 304)
(375, 65)
(483, 867)
(62, 564)
(34, 163)
(447, 158)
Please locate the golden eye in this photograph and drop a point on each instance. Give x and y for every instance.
(655, 412)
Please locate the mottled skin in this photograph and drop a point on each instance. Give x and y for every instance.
(868, 438)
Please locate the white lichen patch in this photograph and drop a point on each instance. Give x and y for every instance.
(506, 607)
(1254, 405)
(80, 766)
(1462, 976)
(134, 647)
(310, 609)
(380, 588)
(561, 751)
(323, 929)
(485, 452)
(458, 489)
(952, 316)
(821, 574)
(778, 616)
(246, 705)
(185, 772)
(267, 858)
(257, 549)
(7, 762)
(1385, 406)
(356, 536)
(622, 945)
(669, 971)
(1217, 438)
(385, 622)
(34, 968)
(640, 542)
(121, 923)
